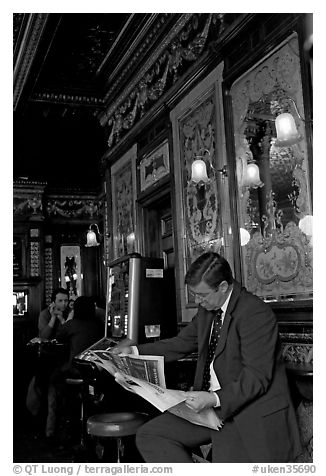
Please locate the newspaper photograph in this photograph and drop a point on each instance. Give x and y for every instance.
(144, 376)
(149, 368)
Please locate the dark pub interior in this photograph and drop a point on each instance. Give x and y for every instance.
(152, 153)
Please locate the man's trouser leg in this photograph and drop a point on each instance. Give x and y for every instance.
(169, 439)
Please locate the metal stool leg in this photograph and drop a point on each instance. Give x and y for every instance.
(120, 447)
(82, 423)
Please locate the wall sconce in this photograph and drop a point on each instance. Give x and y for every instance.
(91, 236)
(199, 169)
(286, 130)
(252, 177)
(248, 173)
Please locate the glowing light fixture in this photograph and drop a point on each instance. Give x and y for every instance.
(305, 225)
(91, 236)
(199, 169)
(252, 176)
(286, 130)
(244, 236)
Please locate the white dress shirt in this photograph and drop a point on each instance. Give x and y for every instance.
(214, 383)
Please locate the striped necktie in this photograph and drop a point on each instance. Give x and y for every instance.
(215, 334)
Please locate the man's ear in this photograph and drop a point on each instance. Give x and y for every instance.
(224, 286)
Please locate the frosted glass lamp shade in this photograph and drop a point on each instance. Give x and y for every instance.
(199, 171)
(91, 239)
(305, 225)
(253, 177)
(286, 130)
(244, 236)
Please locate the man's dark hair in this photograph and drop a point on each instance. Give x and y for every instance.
(84, 308)
(59, 291)
(211, 268)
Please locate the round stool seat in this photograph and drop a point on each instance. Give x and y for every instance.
(115, 424)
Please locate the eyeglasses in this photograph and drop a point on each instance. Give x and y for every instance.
(203, 296)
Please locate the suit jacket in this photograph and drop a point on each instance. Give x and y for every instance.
(254, 389)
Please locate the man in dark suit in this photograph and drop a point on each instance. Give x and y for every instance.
(245, 382)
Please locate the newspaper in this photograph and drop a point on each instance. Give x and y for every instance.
(144, 376)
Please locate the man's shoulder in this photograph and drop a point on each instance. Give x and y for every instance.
(245, 299)
(45, 314)
(45, 311)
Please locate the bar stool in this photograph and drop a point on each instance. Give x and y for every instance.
(78, 384)
(115, 425)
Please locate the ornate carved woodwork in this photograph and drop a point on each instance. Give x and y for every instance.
(184, 44)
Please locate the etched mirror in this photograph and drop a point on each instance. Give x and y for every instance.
(274, 207)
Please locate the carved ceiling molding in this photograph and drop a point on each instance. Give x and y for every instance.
(130, 60)
(135, 56)
(64, 98)
(17, 25)
(185, 44)
(73, 207)
(27, 50)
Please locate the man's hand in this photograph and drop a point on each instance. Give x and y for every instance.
(51, 308)
(55, 314)
(120, 349)
(198, 401)
(123, 347)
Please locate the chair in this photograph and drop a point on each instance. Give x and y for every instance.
(115, 425)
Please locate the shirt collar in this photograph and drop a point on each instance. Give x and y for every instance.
(226, 302)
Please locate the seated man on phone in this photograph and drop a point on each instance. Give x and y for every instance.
(41, 394)
(51, 318)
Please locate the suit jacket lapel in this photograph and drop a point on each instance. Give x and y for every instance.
(227, 318)
(206, 321)
(224, 331)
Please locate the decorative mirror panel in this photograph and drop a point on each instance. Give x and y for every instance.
(274, 211)
(202, 209)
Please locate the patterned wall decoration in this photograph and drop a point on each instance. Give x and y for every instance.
(201, 209)
(123, 185)
(48, 271)
(277, 260)
(35, 258)
(28, 198)
(201, 202)
(154, 166)
(297, 347)
(73, 206)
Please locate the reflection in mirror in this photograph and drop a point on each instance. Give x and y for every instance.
(275, 217)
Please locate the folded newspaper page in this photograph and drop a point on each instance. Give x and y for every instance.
(149, 368)
(144, 376)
